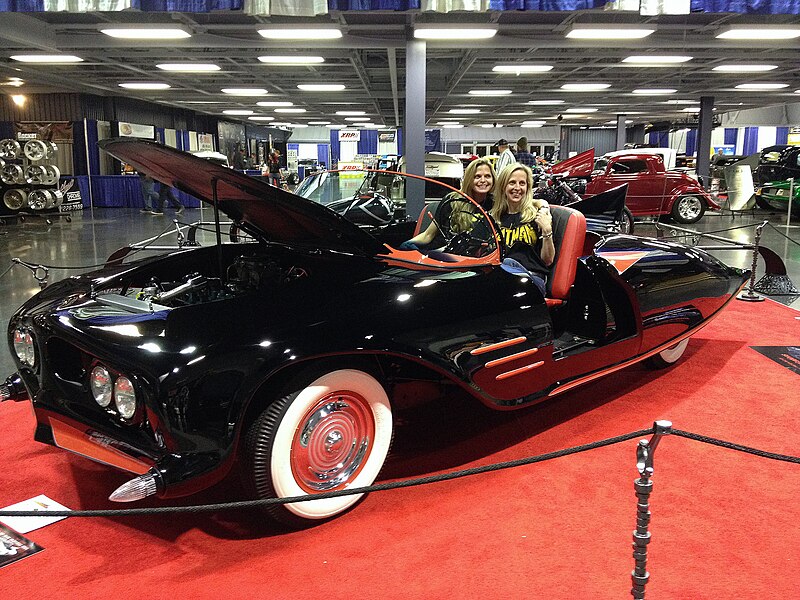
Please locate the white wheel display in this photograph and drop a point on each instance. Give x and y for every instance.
(36, 150)
(332, 434)
(9, 148)
(669, 356)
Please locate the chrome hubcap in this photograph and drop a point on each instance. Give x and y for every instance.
(332, 443)
(689, 207)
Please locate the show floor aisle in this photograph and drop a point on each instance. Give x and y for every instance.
(724, 524)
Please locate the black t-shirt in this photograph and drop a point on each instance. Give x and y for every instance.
(523, 243)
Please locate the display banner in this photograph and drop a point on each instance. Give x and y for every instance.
(739, 181)
(205, 142)
(433, 140)
(349, 135)
(14, 546)
(137, 131)
(793, 137)
(386, 136)
(59, 131)
(786, 356)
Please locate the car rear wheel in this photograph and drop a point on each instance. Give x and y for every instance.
(627, 222)
(668, 357)
(331, 433)
(688, 209)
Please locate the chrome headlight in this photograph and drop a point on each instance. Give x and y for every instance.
(100, 383)
(23, 346)
(125, 397)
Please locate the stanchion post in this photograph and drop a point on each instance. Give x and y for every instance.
(749, 295)
(644, 487)
(791, 199)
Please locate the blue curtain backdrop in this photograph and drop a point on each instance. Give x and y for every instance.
(730, 136)
(334, 148)
(323, 155)
(782, 135)
(691, 142)
(368, 142)
(203, 6)
(659, 139)
(750, 145)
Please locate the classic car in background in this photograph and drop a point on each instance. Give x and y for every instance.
(776, 165)
(652, 190)
(287, 354)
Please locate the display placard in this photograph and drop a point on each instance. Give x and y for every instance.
(349, 135)
(138, 131)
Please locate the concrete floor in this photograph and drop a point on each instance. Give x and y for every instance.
(93, 235)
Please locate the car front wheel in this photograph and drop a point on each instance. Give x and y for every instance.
(668, 357)
(330, 434)
(688, 209)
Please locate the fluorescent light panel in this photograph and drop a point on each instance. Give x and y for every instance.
(237, 112)
(653, 59)
(47, 58)
(454, 33)
(148, 32)
(290, 110)
(286, 33)
(490, 92)
(274, 103)
(189, 67)
(144, 85)
(761, 86)
(262, 118)
(654, 91)
(585, 87)
(744, 68)
(464, 111)
(545, 102)
(518, 69)
(291, 60)
(578, 109)
(245, 91)
(321, 87)
(762, 33)
(601, 31)
(351, 113)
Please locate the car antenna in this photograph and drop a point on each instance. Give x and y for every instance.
(214, 181)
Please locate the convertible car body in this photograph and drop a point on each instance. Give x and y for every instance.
(286, 353)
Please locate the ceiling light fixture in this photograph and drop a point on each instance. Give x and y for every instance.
(533, 123)
(237, 112)
(453, 126)
(761, 86)
(692, 109)
(274, 103)
(351, 113)
(358, 118)
(578, 109)
(454, 33)
(189, 67)
(654, 60)
(492, 125)
(147, 32)
(19, 100)
(290, 110)
(261, 118)
(321, 87)
(764, 33)
(47, 58)
(519, 69)
(287, 33)
(585, 87)
(143, 85)
(489, 92)
(653, 91)
(744, 68)
(464, 111)
(319, 122)
(545, 102)
(291, 60)
(245, 91)
(604, 31)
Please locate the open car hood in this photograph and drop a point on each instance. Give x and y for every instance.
(280, 215)
(580, 165)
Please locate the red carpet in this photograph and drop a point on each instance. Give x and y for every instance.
(725, 524)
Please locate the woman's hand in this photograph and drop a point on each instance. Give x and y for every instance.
(544, 222)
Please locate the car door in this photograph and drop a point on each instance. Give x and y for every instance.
(645, 186)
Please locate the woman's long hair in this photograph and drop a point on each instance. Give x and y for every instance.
(460, 217)
(528, 208)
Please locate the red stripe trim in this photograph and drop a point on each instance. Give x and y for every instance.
(75, 440)
(510, 357)
(498, 346)
(519, 371)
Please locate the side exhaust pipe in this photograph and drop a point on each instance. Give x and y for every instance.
(13, 389)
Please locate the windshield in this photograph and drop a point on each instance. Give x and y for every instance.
(377, 201)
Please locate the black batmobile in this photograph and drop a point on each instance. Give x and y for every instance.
(283, 353)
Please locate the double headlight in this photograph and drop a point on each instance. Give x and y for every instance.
(24, 348)
(119, 388)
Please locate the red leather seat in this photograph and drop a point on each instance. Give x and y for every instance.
(425, 217)
(569, 232)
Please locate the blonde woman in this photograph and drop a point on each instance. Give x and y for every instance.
(478, 184)
(526, 225)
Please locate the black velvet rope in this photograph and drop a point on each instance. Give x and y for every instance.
(380, 487)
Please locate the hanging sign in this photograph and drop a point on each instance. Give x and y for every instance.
(349, 135)
(139, 131)
(205, 142)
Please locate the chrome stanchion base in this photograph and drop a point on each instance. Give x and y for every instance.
(749, 296)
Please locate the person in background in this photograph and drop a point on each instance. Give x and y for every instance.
(523, 155)
(238, 159)
(148, 194)
(526, 225)
(478, 184)
(275, 167)
(165, 193)
(506, 156)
